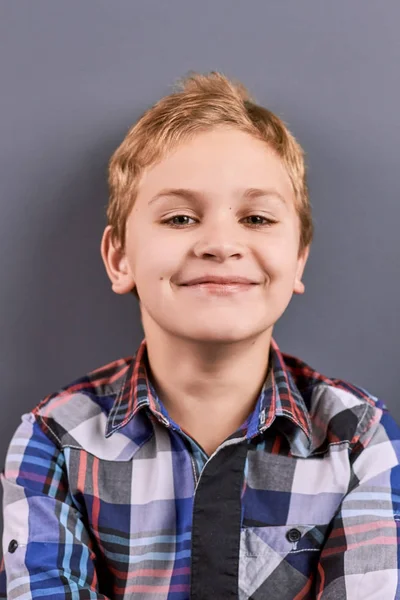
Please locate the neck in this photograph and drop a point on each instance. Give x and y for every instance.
(208, 389)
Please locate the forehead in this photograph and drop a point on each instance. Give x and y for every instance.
(216, 161)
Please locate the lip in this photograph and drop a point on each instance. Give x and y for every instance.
(220, 280)
(219, 289)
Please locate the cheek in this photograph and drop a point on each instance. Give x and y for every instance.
(280, 262)
(153, 262)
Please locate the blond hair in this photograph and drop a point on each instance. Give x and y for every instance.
(200, 102)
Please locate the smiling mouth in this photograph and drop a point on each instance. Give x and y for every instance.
(221, 289)
(236, 283)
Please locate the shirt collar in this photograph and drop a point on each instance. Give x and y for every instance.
(279, 397)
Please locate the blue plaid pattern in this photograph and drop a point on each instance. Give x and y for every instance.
(104, 495)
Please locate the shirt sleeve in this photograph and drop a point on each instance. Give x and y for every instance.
(360, 558)
(47, 551)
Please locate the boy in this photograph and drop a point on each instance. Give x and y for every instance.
(209, 464)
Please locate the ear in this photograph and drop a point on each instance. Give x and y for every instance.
(298, 287)
(116, 264)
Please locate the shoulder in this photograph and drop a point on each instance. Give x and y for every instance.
(71, 412)
(340, 411)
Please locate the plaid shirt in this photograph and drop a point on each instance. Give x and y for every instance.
(106, 497)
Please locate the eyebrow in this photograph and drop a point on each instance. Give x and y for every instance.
(195, 196)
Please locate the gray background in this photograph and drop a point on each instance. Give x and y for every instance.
(74, 76)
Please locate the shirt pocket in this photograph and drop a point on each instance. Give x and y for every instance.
(281, 539)
(280, 555)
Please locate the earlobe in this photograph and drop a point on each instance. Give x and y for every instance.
(123, 283)
(116, 264)
(299, 286)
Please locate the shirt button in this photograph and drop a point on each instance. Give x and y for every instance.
(293, 535)
(12, 546)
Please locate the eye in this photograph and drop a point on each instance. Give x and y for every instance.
(258, 224)
(169, 221)
(266, 222)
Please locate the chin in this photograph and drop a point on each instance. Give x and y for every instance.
(224, 334)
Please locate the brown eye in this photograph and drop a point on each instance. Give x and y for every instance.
(172, 220)
(177, 221)
(260, 217)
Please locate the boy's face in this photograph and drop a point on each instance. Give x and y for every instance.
(239, 220)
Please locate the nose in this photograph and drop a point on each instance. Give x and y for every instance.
(220, 241)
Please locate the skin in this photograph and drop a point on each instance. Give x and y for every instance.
(208, 353)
